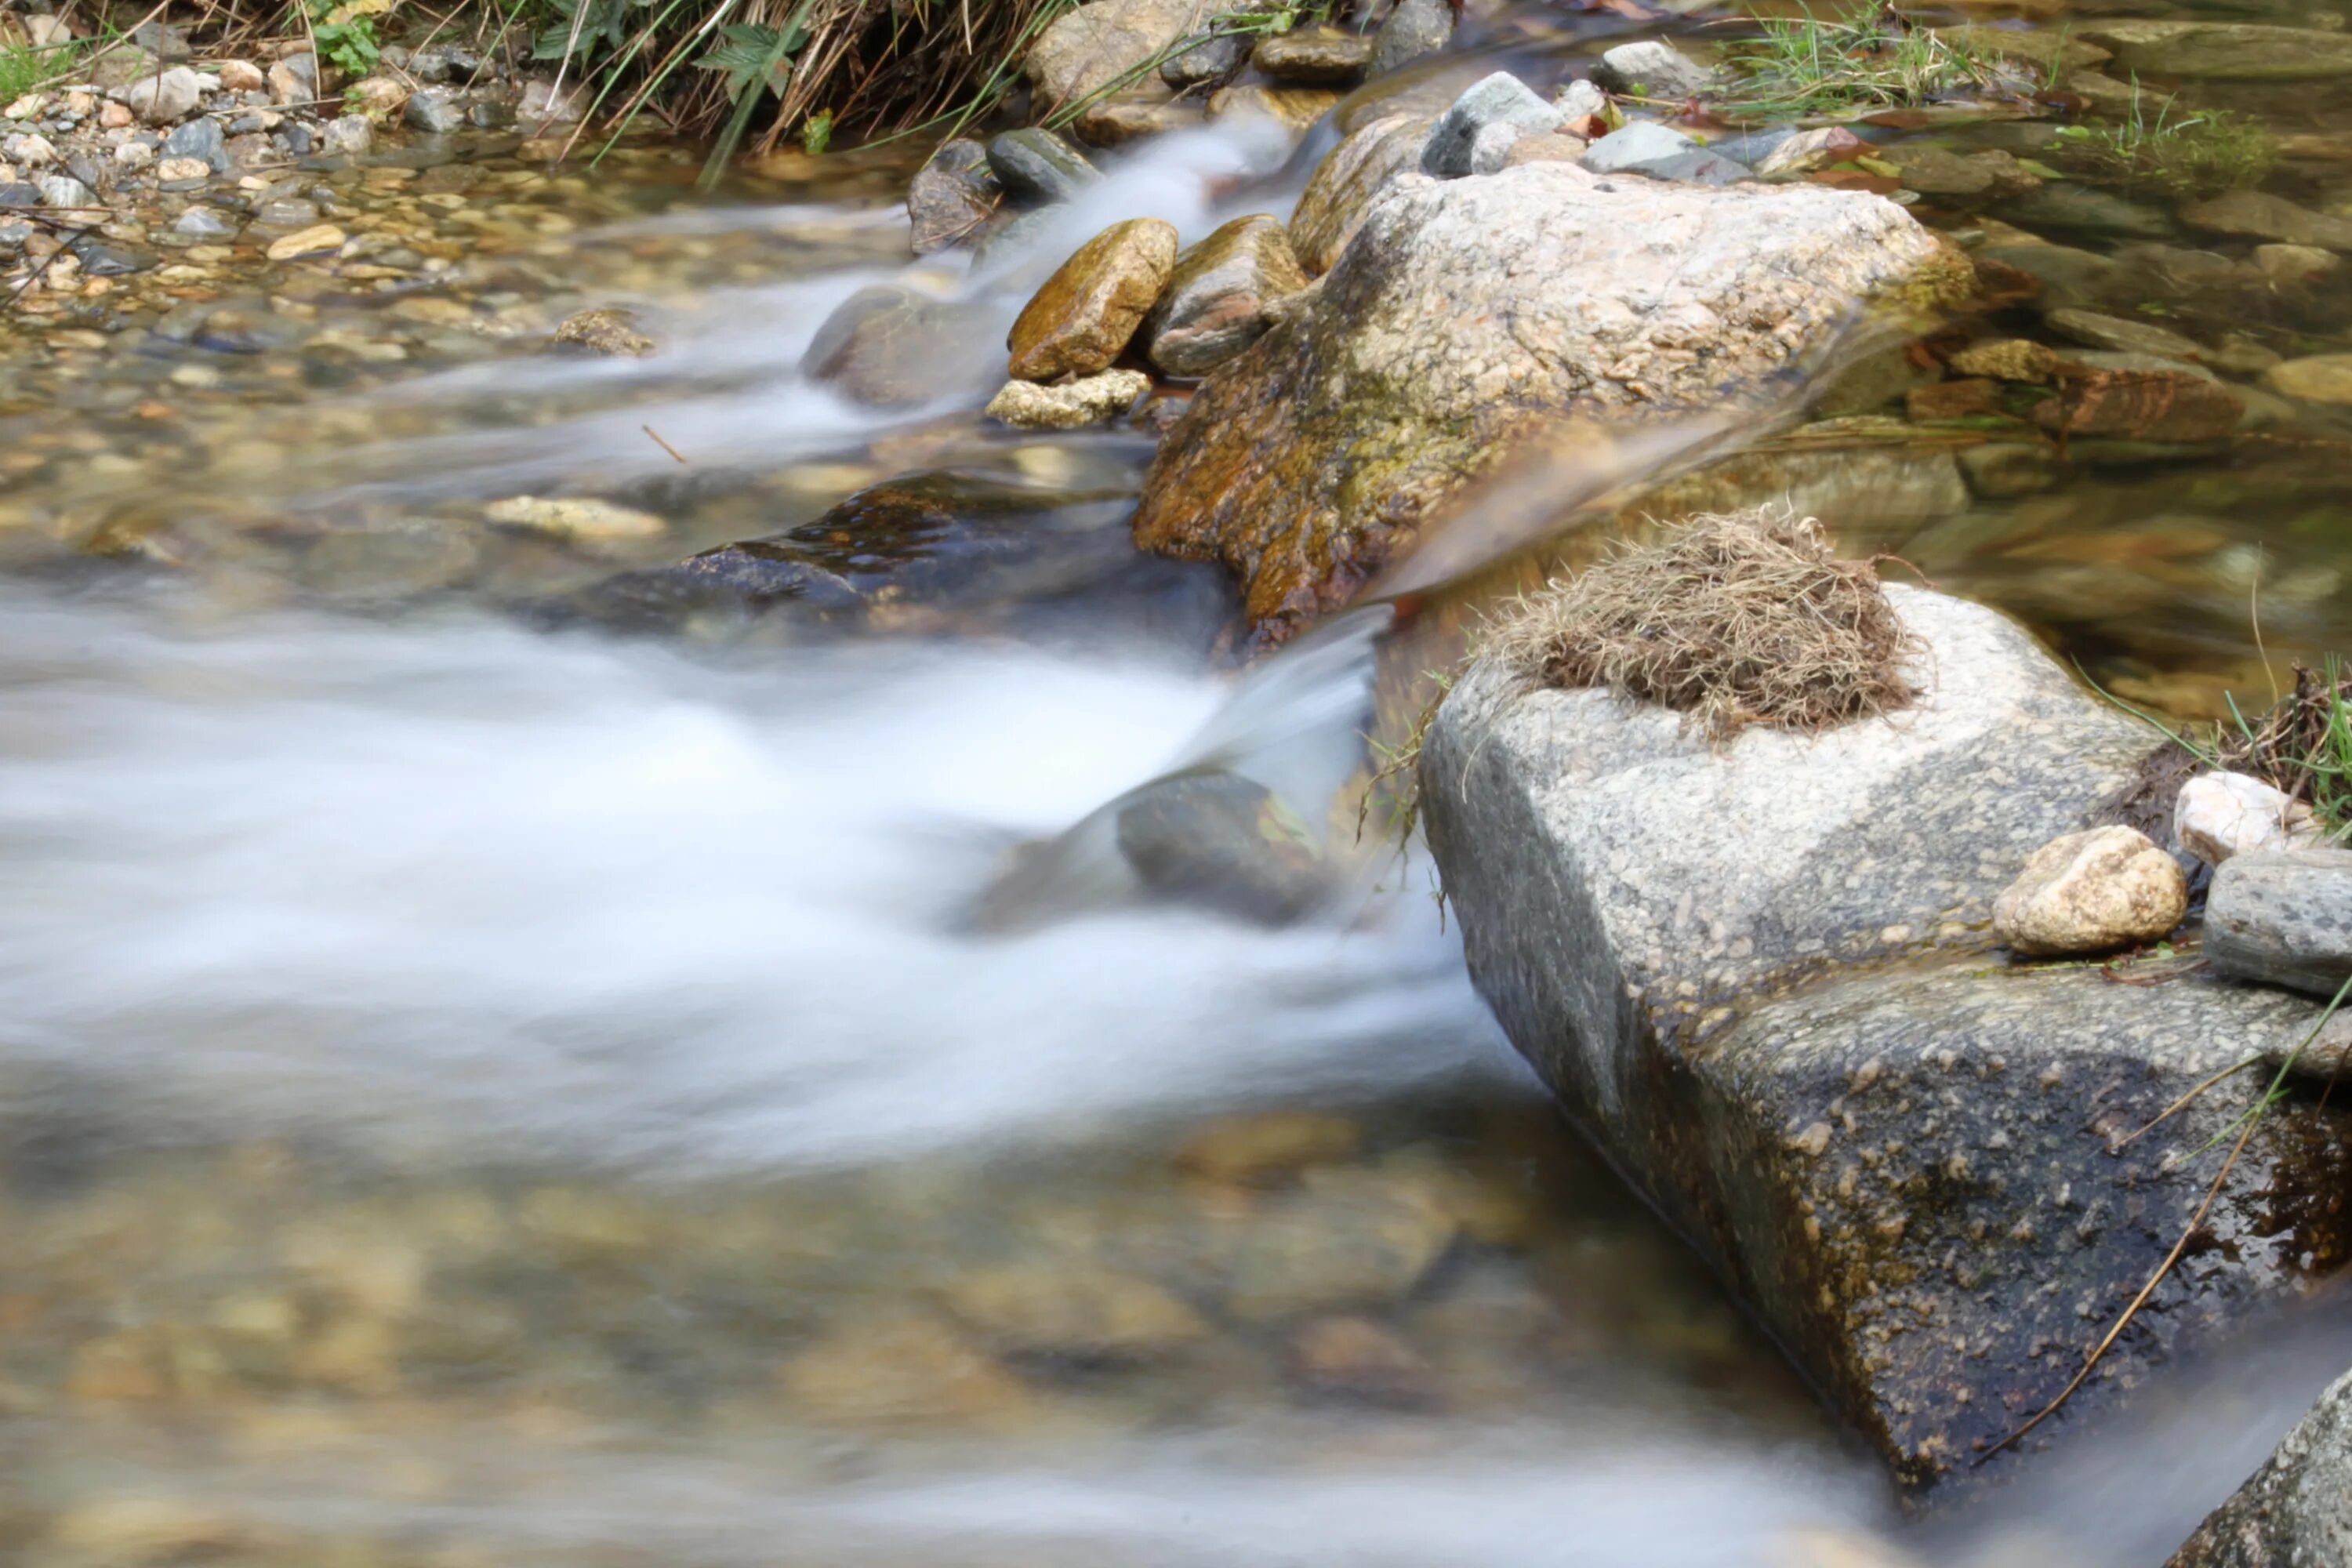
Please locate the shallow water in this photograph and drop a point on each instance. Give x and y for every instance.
(482, 1083)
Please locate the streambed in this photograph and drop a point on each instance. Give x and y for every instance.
(489, 1078)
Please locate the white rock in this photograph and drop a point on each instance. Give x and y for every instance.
(583, 518)
(1652, 69)
(1579, 98)
(2221, 815)
(164, 98)
(29, 150)
(42, 32)
(2093, 891)
(1810, 150)
(1490, 147)
(1025, 405)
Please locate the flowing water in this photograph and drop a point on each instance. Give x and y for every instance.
(501, 1068)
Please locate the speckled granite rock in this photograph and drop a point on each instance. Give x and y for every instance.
(1760, 975)
(1463, 313)
(2296, 1512)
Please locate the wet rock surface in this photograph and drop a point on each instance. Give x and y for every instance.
(2297, 1508)
(893, 347)
(1318, 56)
(1219, 298)
(951, 197)
(1543, 268)
(1080, 322)
(1905, 1157)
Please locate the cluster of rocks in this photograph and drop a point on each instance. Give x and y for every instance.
(1761, 976)
(145, 118)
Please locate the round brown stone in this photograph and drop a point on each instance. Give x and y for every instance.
(1082, 317)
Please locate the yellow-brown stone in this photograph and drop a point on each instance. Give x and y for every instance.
(1082, 319)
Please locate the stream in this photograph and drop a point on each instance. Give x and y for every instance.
(497, 1064)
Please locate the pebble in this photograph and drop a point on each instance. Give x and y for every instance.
(2092, 892)
(1026, 405)
(2219, 814)
(583, 518)
(320, 240)
(2121, 335)
(1652, 69)
(1500, 99)
(2317, 378)
(1268, 1146)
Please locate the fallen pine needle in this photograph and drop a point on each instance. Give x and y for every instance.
(662, 444)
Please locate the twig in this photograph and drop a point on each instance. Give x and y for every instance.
(662, 444)
(2183, 1103)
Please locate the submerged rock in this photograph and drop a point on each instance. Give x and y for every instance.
(2282, 917)
(1071, 405)
(2093, 891)
(1304, 463)
(1755, 974)
(1225, 842)
(606, 331)
(1219, 298)
(2297, 1508)
(2152, 404)
(952, 195)
(2317, 378)
(1295, 109)
(2235, 52)
(2257, 214)
(1082, 319)
(893, 347)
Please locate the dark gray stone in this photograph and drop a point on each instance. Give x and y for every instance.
(1040, 166)
(2069, 207)
(952, 195)
(199, 137)
(2282, 917)
(1223, 842)
(297, 138)
(1758, 974)
(1414, 28)
(1501, 99)
(2296, 1512)
(1653, 149)
(1207, 59)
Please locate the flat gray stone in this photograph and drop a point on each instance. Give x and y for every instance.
(2282, 917)
(1661, 153)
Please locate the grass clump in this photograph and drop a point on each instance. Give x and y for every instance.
(1805, 65)
(2189, 155)
(22, 69)
(1736, 619)
(2301, 745)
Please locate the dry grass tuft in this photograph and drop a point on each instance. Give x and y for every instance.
(1737, 618)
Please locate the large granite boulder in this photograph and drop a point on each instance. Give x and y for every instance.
(1463, 313)
(1760, 974)
(2296, 1512)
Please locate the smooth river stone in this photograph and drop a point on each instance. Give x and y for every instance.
(1216, 302)
(2282, 917)
(1082, 319)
